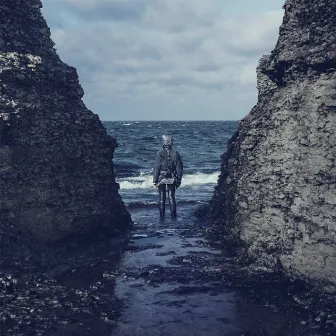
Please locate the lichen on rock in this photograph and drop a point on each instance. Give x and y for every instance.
(276, 194)
(56, 170)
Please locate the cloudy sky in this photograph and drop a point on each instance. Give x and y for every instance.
(165, 59)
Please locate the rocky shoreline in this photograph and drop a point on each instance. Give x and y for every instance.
(276, 195)
(60, 210)
(64, 227)
(263, 283)
(71, 290)
(60, 290)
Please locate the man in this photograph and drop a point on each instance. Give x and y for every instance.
(167, 174)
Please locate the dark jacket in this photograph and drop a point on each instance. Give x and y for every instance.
(162, 164)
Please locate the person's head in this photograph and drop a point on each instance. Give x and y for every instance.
(167, 141)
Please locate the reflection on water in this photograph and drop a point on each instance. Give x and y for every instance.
(173, 283)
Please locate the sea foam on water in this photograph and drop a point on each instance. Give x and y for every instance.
(189, 180)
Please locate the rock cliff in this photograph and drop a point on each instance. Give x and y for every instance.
(56, 171)
(276, 194)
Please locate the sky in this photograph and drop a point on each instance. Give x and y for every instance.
(165, 59)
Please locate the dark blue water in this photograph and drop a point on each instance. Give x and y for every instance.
(200, 144)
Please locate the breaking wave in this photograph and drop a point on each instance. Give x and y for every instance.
(189, 180)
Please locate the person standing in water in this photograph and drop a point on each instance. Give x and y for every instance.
(167, 174)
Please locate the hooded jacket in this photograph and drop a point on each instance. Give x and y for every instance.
(161, 164)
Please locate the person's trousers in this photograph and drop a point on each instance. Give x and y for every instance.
(163, 189)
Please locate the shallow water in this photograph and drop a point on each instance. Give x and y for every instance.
(174, 283)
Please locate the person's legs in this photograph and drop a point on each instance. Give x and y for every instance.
(172, 202)
(162, 199)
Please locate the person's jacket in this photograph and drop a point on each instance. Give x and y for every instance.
(162, 164)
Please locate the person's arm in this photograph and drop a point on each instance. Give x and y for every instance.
(156, 168)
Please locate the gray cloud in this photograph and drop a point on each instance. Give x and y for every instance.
(185, 55)
(118, 10)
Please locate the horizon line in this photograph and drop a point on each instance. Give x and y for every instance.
(174, 120)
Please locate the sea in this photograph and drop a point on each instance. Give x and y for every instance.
(200, 143)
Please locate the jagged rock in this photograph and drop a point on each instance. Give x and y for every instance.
(276, 194)
(56, 171)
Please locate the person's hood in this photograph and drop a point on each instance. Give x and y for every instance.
(167, 141)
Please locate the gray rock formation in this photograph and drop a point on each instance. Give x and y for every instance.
(276, 194)
(56, 172)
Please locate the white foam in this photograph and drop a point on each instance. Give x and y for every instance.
(140, 235)
(200, 178)
(188, 180)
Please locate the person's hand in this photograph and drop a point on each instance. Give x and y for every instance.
(177, 183)
(155, 185)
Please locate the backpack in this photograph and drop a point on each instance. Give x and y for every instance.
(170, 165)
(171, 169)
